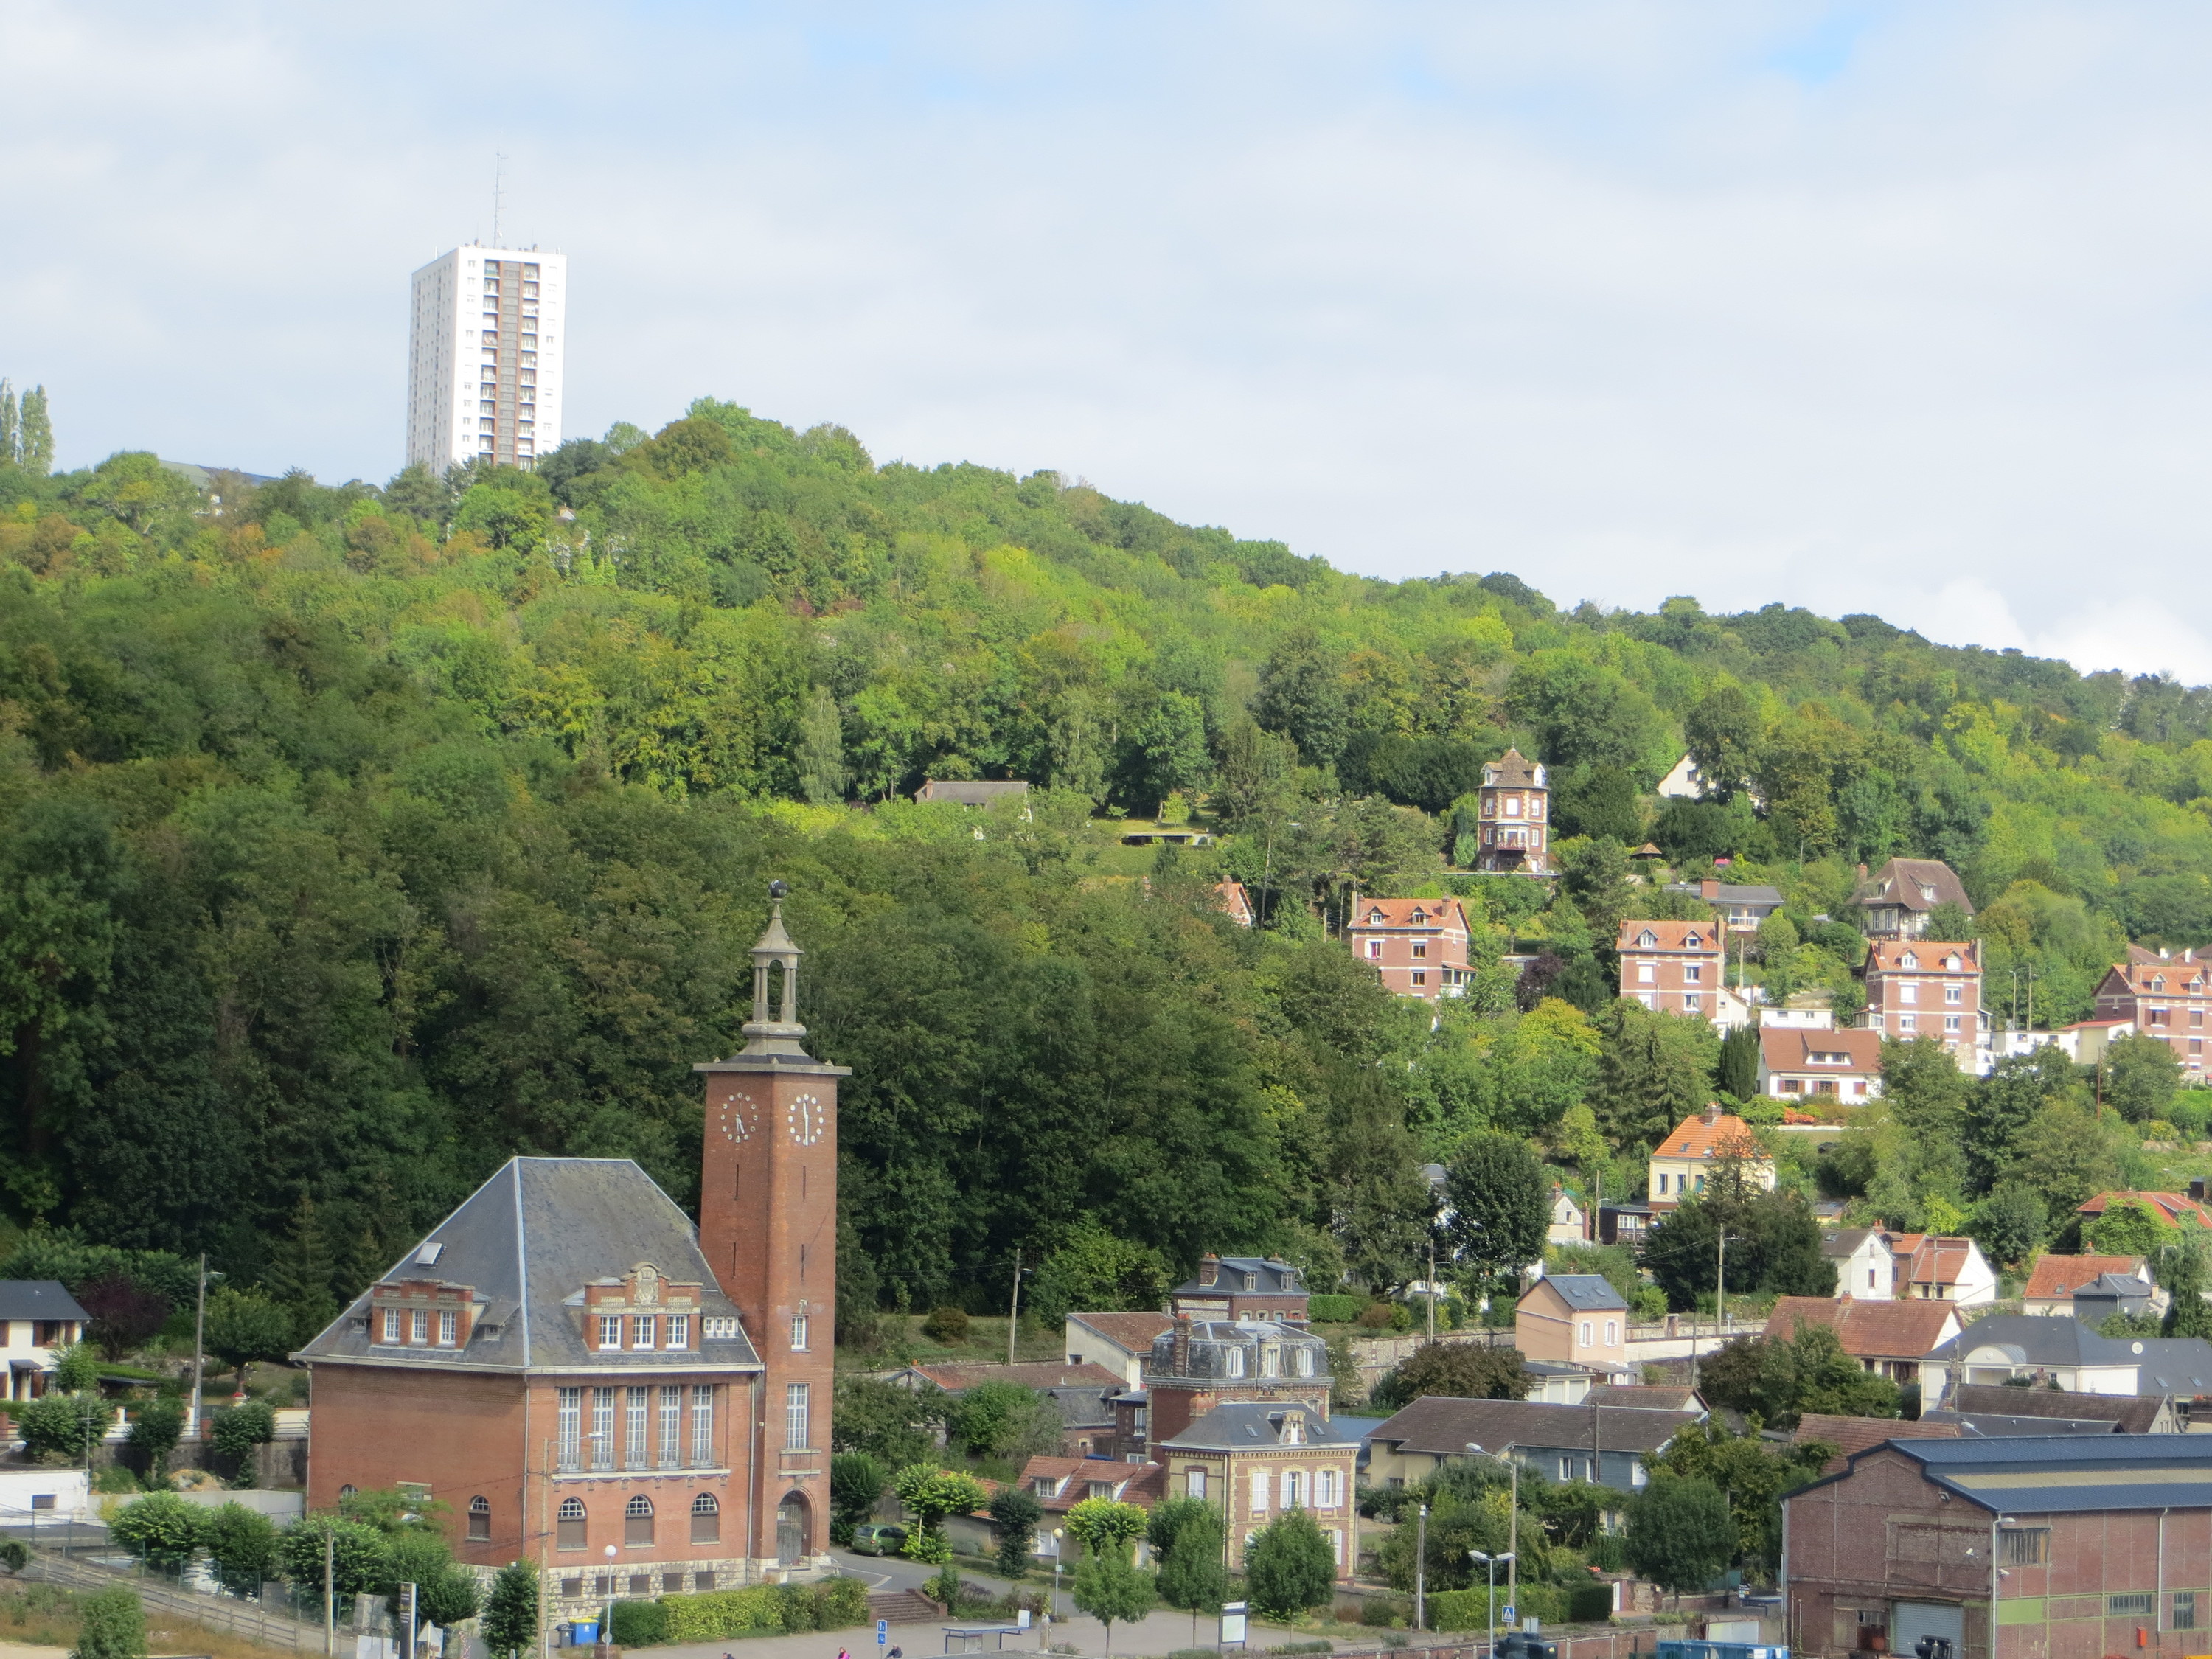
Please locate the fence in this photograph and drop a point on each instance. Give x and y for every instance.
(221, 1612)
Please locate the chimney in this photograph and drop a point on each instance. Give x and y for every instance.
(1713, 1112)
(1709, 890)
(2166, 953)
(2197, 1188)
(1181, 1345)
(1862, 872)
(1209, 1269)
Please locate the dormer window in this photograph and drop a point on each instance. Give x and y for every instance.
(1233, 1362)
(644, 1331)
(1951, 961)
(1374, 918)
(1305, 1362)
(1692, 942)
(1908, 960)
(391, 1324)
(1420, 916)
(2158, 981)
(1927, 894)
(1293, 1432)
(1271, 1360)
(610, 1330)
(1647, 939)
(1251, 1281)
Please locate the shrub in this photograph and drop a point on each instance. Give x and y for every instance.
(839, 1602)
(113, 1627)
(1381, 1610)
(1374, 1316)
(718, 1615)
(1333, 1310)
(160, 1529)
(794, 1608)
(640, 1624)
(946, 1325)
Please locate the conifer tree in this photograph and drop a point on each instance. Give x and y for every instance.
(35, 444)
(10, 437)
(300, 1276)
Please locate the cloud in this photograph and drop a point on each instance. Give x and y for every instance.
(1867, 307)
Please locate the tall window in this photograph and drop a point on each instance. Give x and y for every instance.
(1259, 1491)
(610, 1330)
(636, 1447)
(1305, 1362)
(706, 1519)
(480, 1520)
(1294, 1489)
(568, 1529)
(570, 1418)
(637, 1522)
(679, 1330)
(449, 1327)
(795, 1424)
(1271, 1360)
(641, 1331)
(1193, 1483)
(702, 1427)
(391, 1324)
(603, 1428)
(1328, 1488)
(419, 1326)
(1235, 1362)
(799, 1334)
(671, 1427)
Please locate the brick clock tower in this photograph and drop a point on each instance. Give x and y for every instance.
(767, 1225)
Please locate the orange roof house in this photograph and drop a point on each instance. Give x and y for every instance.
(1418, 946)
(1887, 1338)
(1933, 1269)
(2050, 1287)
(2174, 1209)
(1681, 1161)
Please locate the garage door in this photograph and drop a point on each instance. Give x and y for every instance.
(1910, 1620)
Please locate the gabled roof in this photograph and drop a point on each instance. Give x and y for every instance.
(1408, 912)
(1141, 1484)
(527, 1242)
(1839, 1246)
(1791, 1049)
(1722, 1135)
(1131, 1332)
(37, 1299)
(1442, 1425)
(1582, 1291)
(1703, 937)
(2165, 1365)
(1920, 956)
(1254, 1426)
(2128, 1414)
(1642, 1396)
(1857, 1434)
(2055, 1276)
(1236, 900)
(2060, 1474)
(1928, 1259)
(970, 792)
(1901, 883)
(1729, 893)
(1869, 1330)
(1273, 1276)
(2175, 1209)
(1513, 771)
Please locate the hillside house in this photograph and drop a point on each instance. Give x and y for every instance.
(1515, 815)
(1890, 1339)
(1936, 1269)
(1923, 989)
(1574, 1319)
(2162, 995)
(1741, 907)
(1680, 1163)
(1672, 967)
(1866, 1269)
(38, 1319)
(1570, 1222)
(1120, 1342)
(1418, 945)
(2000, 1348)
(1589, 1442)
(2051, 1286)
(1795, 1062)
(1896, 900)
(1242, 1287)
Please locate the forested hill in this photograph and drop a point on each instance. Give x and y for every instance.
(355, 838)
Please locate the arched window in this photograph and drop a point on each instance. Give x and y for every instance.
(1234, 1365)
(706, 1519)
(345, 1492)
(569, 1529)
(637, 1521)
(480, 1520)
(1305, 1362)
(1271, 1360)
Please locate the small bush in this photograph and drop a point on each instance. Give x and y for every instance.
(718, 1615)
(946, 1325)
(1334, 1309)
(794, 1608)
(113, 1626)
(839, 1602)
(1194, 1653)
(1381, 1610)
(640, 1624)
(1374, 1316)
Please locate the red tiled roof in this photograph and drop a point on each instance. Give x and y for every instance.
(1147, 1482)
(1131, 1331)
(1789, 1049)
(2055, 1276)
(1855, 1434)
(1236, 901)
(1931, 1261)
(2173, 1208)
(1403, 912)
(1727, 1136)
(1888, 956)
(1868, 1330)
(1700, 936)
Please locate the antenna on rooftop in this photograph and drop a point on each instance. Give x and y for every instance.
(498, 186)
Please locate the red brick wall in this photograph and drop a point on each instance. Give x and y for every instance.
(459, 1434)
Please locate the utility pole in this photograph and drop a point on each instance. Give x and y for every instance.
(1421, 1570)
(1433, 1287)
(330, 1590)
(1014, 1309)
(199, 1346)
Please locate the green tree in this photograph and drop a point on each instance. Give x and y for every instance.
(1500, 1202)
(1681, 1534)
(1774, 1243)
(1302, 697)
(1094, 1272)
(1460, 1370)
(1112, 1592)
(60, 1425)
(1187, 1538)
(2011, 1223)
(244, 1326)
(1289, 1566)
(1005, 1420)
(2182, 1272)
(360, 1559)
(1751, 1473)
(76, 1369)
(889, 1424)
(2002, 1105)
(856, 1485)
(2128, 1227)
(154, 1431)
(931, 1494)
(510, 1616)
(303, 1273)
(242, 1545)
(1105, 1526)
(1737, 1072)
(36, 424)
(822, 775)
(2141, 1076)
(238, 1430)
(1924, 1086)
(1724, 731)
(161, 1528)
(112, 1625)
(1655, 1069)
(1015, 1513)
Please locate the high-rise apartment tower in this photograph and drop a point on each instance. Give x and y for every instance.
(485, 373)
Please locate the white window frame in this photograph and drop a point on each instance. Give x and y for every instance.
(610, 1330)
(391, 1324)
(702, 1425)
(449, 1327)
(418, 1326)
(799, 1332)
(1261, 1485)
(644, 1331)
(1193, 1483)
(798, 1416)
(679, 1330)
(569, 1419)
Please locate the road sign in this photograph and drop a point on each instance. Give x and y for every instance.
(1509, 1614)
(1022, 1619)
(883, 1631)
(1232, 1622)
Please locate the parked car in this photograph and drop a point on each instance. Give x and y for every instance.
(879, 1538)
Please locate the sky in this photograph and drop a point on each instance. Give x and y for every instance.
(1894, 308)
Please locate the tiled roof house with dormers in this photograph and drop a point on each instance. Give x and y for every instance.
(1896, 899)
(1418, 945)
(1674, 967)
(1514, 804)
(1920, 987)
(2164, 992)
(590, 1382)
(1234, 1287)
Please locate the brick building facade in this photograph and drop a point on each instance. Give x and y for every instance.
(1920, 987)
(589, 1382)
(1674, 967)
(1515, 816)
(1418, 945)
(2164, 994)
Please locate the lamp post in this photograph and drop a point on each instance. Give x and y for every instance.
(1513, 1521)
(1421, 1570)
(607, 1630)
(1059, 1554)
(1491, 1562)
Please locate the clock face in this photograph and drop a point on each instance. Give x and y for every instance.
(807, 1120)
(740, 1116)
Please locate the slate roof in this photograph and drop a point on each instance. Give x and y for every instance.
(1441, 1426)
(1584, 1291)
(2055, 1276)
(958, 1376)
(1868, 1330)
(1995, 1426)
(2063, 1473)
(38, 1298)
(1855, 1434)
(1272, 1277)
(1131, 1332)
(1253, 1425)
(1513, 771)
(2166, 1365)
(1900, 881)
(1639, 1396)
(1729, 893)
(2128, 1414)
(528, 1241)
(1839, 1246)
(969, 792)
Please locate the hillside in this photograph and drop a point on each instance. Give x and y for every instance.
(355, 838)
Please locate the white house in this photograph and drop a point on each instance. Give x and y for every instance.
(38, 1319)
(1936, 1269)
(1570, 1221)
(1865, 1269)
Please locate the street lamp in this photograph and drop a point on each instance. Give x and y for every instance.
(1491, 1562)
(607, 1630)
(1513, 1522)
(1059, 1554)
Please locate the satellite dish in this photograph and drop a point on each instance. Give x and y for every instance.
(2137, 1346)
